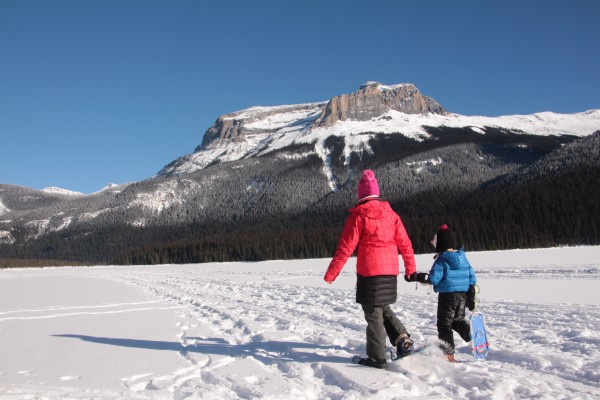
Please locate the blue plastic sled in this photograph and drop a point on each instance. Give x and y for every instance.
(479, 342)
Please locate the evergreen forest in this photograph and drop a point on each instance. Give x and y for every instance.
(497, 191)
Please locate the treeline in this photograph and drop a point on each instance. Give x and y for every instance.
(545, 212)
(22, 263)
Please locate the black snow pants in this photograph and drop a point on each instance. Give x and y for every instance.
(381, 322)
(451, 316)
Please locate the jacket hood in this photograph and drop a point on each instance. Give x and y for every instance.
(373, 208)
(451, 257)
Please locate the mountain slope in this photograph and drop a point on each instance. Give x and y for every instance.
(275, 182)
(401, 109)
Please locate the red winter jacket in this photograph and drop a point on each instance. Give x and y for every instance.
(379, 234)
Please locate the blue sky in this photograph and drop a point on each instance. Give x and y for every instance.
(109, 91)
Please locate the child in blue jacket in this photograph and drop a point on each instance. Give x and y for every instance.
(451, 276)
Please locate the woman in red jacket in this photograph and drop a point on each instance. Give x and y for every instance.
(379, 234)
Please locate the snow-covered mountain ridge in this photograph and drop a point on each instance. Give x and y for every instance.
(60, 191)
(261, 130)
(263, 167)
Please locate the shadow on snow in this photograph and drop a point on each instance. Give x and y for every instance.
(268, 352)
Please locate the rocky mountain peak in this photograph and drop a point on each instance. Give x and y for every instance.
(374, 99)
(371, 100)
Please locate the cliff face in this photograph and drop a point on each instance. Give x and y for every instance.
(237, 126)
(371, 101)
(374, 99)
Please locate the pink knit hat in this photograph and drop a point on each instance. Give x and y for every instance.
(367, 186)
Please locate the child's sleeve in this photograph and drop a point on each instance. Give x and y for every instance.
(436, 273)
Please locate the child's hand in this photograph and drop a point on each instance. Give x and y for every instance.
(422, 277)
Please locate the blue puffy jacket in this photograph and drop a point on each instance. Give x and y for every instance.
(452, 272)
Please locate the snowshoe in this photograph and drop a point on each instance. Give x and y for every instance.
(369, 362)
(394, 355)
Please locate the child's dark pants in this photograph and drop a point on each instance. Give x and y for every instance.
(451, 316)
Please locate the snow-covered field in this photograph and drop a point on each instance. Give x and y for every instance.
(276, 330)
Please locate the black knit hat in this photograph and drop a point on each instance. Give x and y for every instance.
(444, 239)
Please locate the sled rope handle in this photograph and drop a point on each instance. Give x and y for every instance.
(428, 289)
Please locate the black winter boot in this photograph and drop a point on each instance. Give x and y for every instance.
(405, 345)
